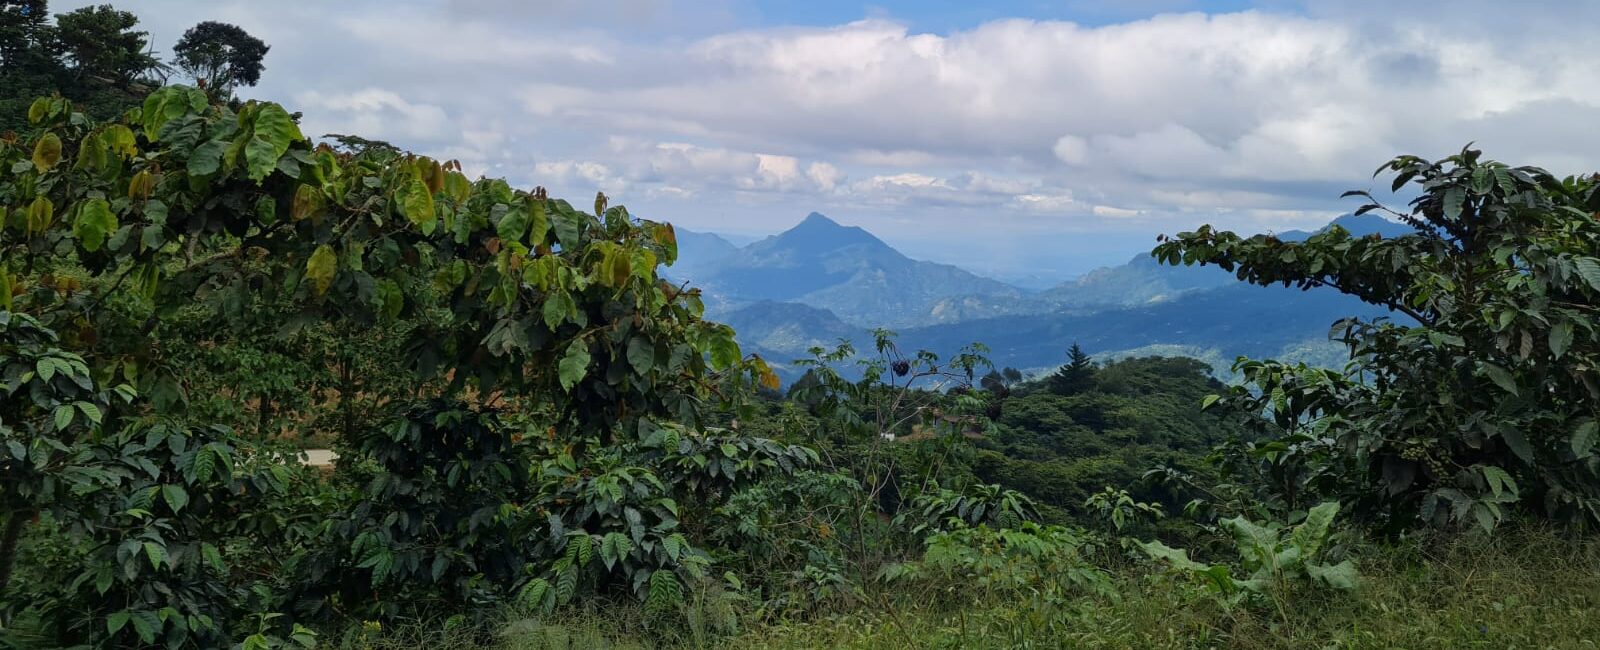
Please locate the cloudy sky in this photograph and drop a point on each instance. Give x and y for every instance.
(1011, 137)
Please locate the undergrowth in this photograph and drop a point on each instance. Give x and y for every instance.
(1522, 589)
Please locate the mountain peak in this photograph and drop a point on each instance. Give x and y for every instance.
(817, 234)
(819, 219)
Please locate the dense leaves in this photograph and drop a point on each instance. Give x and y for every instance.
(488, 299)
(1481, 397)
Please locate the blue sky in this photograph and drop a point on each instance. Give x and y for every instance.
(1016, 138)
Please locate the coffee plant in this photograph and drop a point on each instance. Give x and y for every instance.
(1478, 398)
(544, 358)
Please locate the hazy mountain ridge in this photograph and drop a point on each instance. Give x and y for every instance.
(843, 269)
(820, 282)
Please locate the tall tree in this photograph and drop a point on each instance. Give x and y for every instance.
(102, 44)
(221, 57)
(1076, 376)
(26, 36)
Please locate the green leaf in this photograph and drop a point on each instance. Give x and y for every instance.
(1178, 557)
(724, 350)
(321, 268)
(213, 557)
(1501, 377)
(1560, 338)
(1454, 199)
(115, 622)
(574, 364)
(614, 547)
(1499, 481)
(1518, 442)
(274, 131)
(90, 411)
(641, 355)
(176, 496)
(94, 223)
(1583, 439)
(47, 152)
(569, 225)
(157, 554)
(1310, 534)
(1339, 576)
(207, 158)
(665, 592)
(512, 226)
(204, 464)
(63, 417)
(1589, 269)
(557, 307)
(146, 625)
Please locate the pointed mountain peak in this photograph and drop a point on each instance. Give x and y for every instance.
(817, 234)
(818, 219)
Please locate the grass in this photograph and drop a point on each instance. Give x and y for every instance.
(1524, 589)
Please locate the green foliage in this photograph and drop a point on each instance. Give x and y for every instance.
(1479, 404)
(1074, 377)
(1120, 508)
(220, 57)
(1272, 559)
(1044, 563)
(981, 504)
(93, 55)
(1136, 413)
(382, 264)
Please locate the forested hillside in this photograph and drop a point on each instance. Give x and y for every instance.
(542, 441)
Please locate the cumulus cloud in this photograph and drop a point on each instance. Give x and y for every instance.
(1251, 119)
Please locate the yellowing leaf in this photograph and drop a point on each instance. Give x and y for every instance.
(39, 110)
(95, 222)
(766, 376)
(307, 202)
(321, 268)
(416, 203)
(618, 266)
(47, 152)
(119, 140)
(141, 184)
(574, 364)
(40, 213)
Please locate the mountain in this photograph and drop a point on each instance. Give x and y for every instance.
(782, 332)
(820, 282)
(1144, 280)
(697, 252)
(845, 270)
(1229, 321)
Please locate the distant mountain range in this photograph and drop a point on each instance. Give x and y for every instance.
(843, 269)
(820, 282)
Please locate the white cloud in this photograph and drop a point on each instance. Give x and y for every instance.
(1114, 213)
(1244, 118)
(374, 113)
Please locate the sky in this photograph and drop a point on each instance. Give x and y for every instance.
(1017, 138)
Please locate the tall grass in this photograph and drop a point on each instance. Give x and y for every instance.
(1519, 589)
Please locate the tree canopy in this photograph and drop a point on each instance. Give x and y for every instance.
(220, 57)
